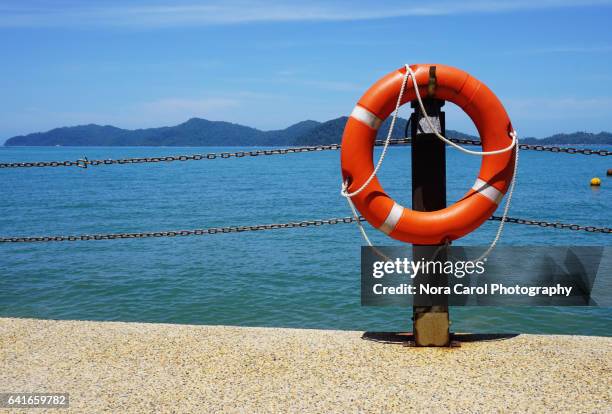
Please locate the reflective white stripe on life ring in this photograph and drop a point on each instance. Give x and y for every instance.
(488, 191)
(363, 115)
(392, 219)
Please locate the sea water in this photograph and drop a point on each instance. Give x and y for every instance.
(304, 277)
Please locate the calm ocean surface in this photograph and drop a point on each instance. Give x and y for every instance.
(307, 278)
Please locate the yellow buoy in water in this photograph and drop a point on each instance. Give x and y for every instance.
(595, 182)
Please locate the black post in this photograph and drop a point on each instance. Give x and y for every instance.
(430, 316)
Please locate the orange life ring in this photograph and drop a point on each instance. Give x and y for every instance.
(496, 171)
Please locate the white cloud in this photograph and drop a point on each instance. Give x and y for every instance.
(544, 116)
(559, 108)
(561, 49)
(249, 108)
(185, 108)
(293, 78)
(531, 116)
(236, 12)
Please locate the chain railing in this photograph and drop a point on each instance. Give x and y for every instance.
(175, 233)
(546, 148)
(273, 226)
(554, 224)
(85, 162)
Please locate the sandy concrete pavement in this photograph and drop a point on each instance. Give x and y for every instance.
(135, 367)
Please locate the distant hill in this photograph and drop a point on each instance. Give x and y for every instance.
(202, 132)
(194, 132)
(330, 132)
(603, 138)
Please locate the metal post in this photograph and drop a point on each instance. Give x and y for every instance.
(430, 323)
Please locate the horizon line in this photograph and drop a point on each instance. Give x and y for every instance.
(215, 13)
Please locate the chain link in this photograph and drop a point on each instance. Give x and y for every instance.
(547, 148)
(195, 232)
(554, 224)
(274, 226)
(84, 162)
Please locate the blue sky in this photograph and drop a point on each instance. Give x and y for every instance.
(269, 63)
